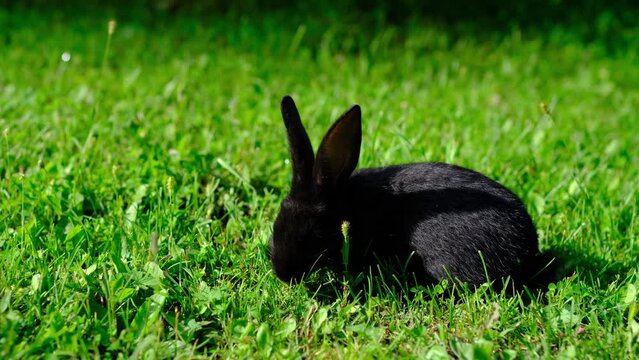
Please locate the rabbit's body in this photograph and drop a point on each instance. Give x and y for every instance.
(439, 215)
(438, 220)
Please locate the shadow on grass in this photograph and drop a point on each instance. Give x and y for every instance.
(594, 270)
(404, 286)
(548, 267)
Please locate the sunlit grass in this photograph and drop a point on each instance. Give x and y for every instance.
(139, 181)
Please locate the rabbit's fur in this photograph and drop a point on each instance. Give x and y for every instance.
(439, 220)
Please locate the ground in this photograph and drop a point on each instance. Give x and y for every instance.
(141, 169)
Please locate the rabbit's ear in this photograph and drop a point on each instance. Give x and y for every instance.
(300, 148)
(338, 153)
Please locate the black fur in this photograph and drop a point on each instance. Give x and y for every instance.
(438, 219)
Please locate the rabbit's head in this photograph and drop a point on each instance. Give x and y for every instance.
(306, 233)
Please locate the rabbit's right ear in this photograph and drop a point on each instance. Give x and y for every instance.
(300, 148)
(338, 154)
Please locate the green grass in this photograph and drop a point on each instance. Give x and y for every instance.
(138, 186)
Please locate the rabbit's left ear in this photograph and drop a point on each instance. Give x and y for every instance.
(338, 153)
(299, 147)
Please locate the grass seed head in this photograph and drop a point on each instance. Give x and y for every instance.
(111, 27)
(345, 227)
(170, 184)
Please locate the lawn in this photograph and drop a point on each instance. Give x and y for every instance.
(142, 164)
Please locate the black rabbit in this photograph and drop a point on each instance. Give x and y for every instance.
(445, 220)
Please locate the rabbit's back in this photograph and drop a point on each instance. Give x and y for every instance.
(456, 220)
(428, 176)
